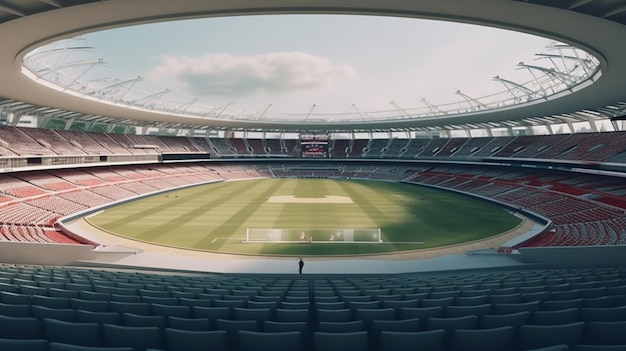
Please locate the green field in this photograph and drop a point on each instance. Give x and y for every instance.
(215, 217)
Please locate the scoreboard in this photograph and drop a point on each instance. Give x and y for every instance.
(314, 145)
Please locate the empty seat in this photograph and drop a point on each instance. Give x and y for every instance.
(159, 300)
(403, 290)
(514, 320)
(138, 320)
(98, 317)
(450, 324)
(262, 304)
(94, 296)
(20, 328)
(475, 292)
(257, 341)
(182, 301)
(52, 302)
(267, 298)
(83, 334)
(536, 336)
(55, 346)
(24, 344)
(566, 316)
(169, 310)
(62, 292)
(80, 287)
(421, 312)
(275, 327)
(338, 305)
(141, 308)
(401, 303)
(187, 340)
(11, 310)
(471, 300)
(554, 305)
(294, 305)
(507, 298)
(154, 293)
(565, 295)
(89, 305)
(212, 313)
(440, 302)
(600, 348)
(140, 338)
(229, 303)
(33, 290)
(328, 299)
(603, 301)
(443, 294)
(323, 341)
(125, 298)
(589, 293)
(405, 325)
(609, 314)
(508, 308)
(605, 333)
(232, 326)
(354, 305)
(431, 340)
(536, 296)
(15, 298)
(63, 314)
(341, 327)
(460, 311)
(183, 294)
(496, 339)
(551, 348)
(191, 324)
(389, 297)
(256, 314)
(115, 290)
(343, 315)
(367, 315)
(287, 315)
(8, 287)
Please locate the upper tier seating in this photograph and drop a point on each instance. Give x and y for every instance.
(25, 142)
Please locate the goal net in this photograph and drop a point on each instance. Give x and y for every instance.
(278, 235)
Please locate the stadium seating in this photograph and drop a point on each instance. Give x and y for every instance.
(577, 209)
(507, 326)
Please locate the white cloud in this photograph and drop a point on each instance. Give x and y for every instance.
(222, 74)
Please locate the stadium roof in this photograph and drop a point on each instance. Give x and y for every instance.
(596, 26)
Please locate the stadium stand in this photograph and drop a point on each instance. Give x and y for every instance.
(571, 182)
(57, 301)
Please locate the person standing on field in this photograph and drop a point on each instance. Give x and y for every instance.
(301, 265)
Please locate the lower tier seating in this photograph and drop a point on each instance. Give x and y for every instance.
(60, 308)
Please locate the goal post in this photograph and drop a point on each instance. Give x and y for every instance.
(300, 235)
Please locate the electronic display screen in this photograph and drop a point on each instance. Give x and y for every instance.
(314, 146)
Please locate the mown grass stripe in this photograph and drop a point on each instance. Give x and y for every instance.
(230, 224)
(363, 203)
(133, 216)
(179, 221)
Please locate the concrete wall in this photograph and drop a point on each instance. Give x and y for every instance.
(41, 253)
(575, 256)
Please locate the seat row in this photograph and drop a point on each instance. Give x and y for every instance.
(65, 336)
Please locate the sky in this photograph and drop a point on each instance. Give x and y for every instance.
(332, 62)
